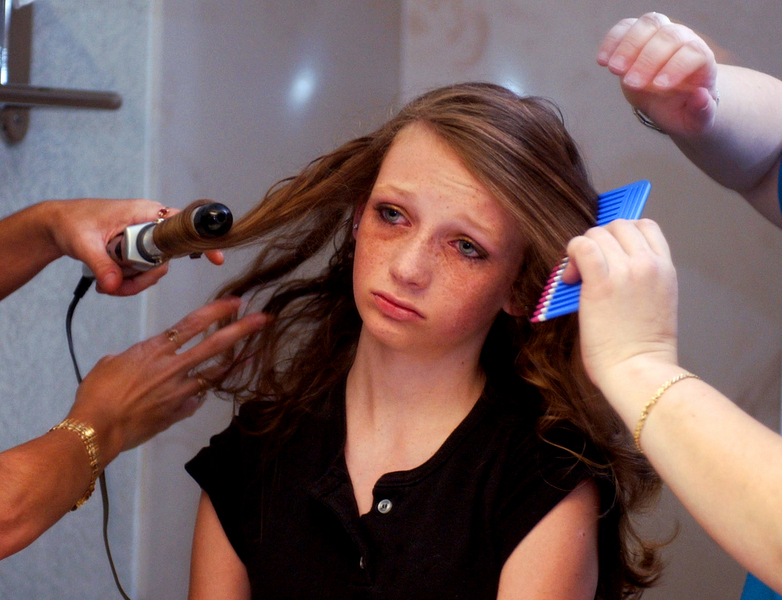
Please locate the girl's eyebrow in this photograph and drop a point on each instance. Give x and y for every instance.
(390, 188)
(485, 231)
(481, 227)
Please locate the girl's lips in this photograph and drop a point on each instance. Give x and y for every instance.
(395, 309)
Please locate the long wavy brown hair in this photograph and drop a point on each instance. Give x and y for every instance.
(519, 149)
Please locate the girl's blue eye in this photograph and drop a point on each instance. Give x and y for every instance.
(469, 249)
(389, 214)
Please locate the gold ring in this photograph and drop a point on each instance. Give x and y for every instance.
(203, 386)
(173, 336)
(162, 212)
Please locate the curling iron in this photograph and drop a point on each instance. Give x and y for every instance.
(148, 245)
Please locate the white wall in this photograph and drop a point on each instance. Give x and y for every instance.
(727, 257)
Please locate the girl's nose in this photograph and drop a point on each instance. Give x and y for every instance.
(412, 264)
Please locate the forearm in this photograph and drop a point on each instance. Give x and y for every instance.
(126, 399)
(742, 149)
(724, 466)
(42, 480)
(26, 246)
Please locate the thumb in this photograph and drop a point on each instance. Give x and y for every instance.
(700, 110)
(571, 274)
(106, 271)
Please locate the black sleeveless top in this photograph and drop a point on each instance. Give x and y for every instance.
(442, 530)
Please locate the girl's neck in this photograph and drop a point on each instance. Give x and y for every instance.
(389, 384)
(400, 408)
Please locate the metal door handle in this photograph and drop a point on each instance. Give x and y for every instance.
(17, 96)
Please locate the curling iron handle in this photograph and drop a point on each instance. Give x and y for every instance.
(123, 249)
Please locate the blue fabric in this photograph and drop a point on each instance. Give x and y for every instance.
(754, 589)
(779, 187)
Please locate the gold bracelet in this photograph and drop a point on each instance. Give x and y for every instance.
(87, 435)
(645, 412)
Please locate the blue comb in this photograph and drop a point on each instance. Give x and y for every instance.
(559, 298)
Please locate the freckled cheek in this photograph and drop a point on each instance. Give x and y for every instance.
(469, 300)
(369, 259)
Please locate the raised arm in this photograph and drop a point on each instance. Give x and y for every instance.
(725, 119)
(126, 399)
(724, 466)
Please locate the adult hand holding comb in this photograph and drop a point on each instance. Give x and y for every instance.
(628, 302)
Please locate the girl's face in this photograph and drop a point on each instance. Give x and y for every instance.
(436, 254)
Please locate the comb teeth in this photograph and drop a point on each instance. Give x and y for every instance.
(622, 203)
(560, 298)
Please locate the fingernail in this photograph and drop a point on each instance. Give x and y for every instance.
(259, 318)
(617, 62)
(111, 280)
(662, 81)
(234, 302)
(602, 57)
(633, 80)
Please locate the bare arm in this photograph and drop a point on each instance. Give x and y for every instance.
(557, 560)
(725, 119)
(126, 399)
(216, 571)
(42, 233)
(724, 466)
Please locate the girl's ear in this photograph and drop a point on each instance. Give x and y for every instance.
(357, 217)
(514, 307)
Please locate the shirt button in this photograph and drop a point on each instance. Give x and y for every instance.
(384, 506)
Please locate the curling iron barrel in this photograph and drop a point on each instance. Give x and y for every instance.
(147, 245)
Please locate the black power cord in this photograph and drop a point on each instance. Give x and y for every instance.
(81, 289)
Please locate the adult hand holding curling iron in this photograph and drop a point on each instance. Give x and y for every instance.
(82, 228)
(127, 398)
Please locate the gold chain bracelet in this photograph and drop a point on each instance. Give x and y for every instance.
(87, 435)
(645, 412)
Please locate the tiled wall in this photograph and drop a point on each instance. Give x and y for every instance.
(93, 44)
